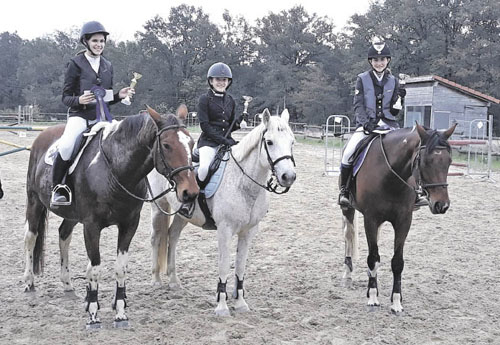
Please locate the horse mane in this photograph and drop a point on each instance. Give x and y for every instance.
(254, 137)
(138, 126)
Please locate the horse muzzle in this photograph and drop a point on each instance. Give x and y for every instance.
(439, 207)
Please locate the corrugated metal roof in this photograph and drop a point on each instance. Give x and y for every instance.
(465, 89)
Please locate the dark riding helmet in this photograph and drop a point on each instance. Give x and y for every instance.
(220, 70)
(379, 49)
(91, 28)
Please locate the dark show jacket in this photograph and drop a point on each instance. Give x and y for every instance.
(375, 99)
(215, 114)
(80, 77)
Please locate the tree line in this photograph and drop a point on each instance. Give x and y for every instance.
(292, 58)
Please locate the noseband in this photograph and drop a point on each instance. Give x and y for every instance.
(171, 172)
(420, 183)
(273, 182)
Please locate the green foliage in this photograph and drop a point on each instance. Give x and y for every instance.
(291, 58)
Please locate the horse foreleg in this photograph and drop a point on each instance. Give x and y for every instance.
(65, 232)
(244, 242)
(126, 232)
(351, 243)
(174, 233)
(159, 240)
(397, 263)
(224, 242)
(373, 261)
(29, 245)
(92, 236)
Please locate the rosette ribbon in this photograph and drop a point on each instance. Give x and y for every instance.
(102, 111)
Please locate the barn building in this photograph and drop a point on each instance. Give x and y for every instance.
(437, 103)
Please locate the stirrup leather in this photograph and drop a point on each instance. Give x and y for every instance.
(57, 189)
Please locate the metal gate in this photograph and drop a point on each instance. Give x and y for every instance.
(337, 129)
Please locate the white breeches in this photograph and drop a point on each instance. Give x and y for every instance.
(207, 154)
(74, 127)
(350, 147)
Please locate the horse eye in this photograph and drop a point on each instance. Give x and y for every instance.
(166, 146)
(269, 142)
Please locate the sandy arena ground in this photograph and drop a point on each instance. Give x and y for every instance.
(451, 285)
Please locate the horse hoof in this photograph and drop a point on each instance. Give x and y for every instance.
(373, 308)
(29, 288)
(397, 311)
(347, 283)
(174, 286)
(223, 313)
(93, 325)
(120, 324)
(242, 309)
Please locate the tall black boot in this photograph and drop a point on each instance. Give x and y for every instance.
(345, 173)
(60, 192)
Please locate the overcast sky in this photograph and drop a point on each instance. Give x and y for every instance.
(36, 18)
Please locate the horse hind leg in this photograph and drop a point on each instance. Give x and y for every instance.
(34, 240)
(159, 241)
(350, 230)
(65, 233)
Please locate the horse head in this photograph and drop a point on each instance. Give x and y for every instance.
(172, 154)
(278, 140)
(433, 161)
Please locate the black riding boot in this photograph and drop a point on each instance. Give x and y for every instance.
(345, 172)
(60, 192)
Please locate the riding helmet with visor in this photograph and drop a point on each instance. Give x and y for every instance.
(220, 70)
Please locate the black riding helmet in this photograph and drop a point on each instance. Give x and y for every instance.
(379, 49)
(220, 70)
(89, 29)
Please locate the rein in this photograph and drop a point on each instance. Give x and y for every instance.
(272, 186)
(169, 175)
(420, 186)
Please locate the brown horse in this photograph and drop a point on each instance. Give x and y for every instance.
(109, 188)
(395, 166)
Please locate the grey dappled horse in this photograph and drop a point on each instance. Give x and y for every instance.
(108, 189)
(237, 207)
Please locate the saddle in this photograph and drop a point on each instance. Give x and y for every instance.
(211, 184)
(358, 157)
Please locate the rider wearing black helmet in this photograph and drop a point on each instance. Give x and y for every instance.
(216, 113)
(376, 93)
(86, 71)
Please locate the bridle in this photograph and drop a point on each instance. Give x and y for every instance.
(415, 166)
(273, 182)
(170, 172)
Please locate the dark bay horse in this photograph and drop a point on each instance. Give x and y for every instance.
(385, 191)
(109, 188)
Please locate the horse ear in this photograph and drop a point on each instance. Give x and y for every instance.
(182, 112)
(450, 131)
(266, 115)
(421, 132)
(285, 115)
(153, 114)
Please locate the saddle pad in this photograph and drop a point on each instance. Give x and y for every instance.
(52, 151)
(361, 158)
(216, 178)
